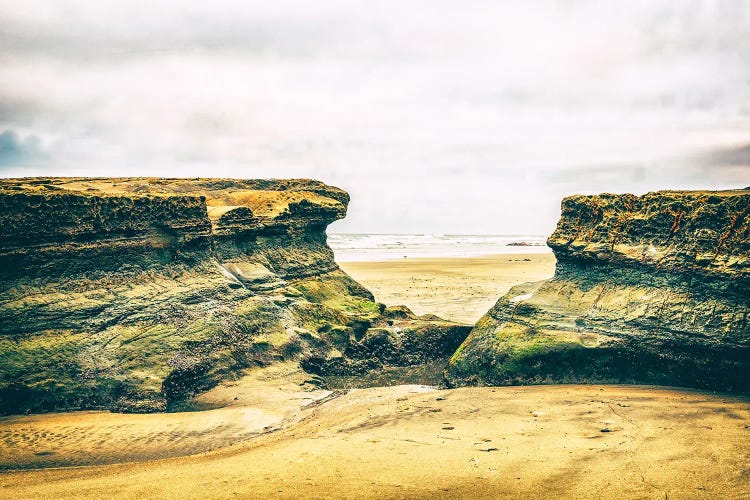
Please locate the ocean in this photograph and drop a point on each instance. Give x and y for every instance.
(350, 247)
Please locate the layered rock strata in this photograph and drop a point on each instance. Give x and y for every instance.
(649, 289)
(136, 293)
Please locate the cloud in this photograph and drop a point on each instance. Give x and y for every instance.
(424, 110)
(113, 32)
(15, 152)
(733, 156)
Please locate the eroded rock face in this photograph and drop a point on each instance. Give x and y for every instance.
(650, 289)
(136, 293)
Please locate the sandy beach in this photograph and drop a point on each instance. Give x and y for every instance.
(417, 442)
(275, 434)
(387, 250)
(236, 411)
(460, 289)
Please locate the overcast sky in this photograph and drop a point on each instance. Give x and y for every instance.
(437, 116)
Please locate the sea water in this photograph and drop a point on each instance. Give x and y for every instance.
(350, 247)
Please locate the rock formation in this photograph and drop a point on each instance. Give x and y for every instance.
(136, 293)
(649, 289)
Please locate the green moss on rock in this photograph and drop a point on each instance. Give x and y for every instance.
(650, 289)
(135, 294)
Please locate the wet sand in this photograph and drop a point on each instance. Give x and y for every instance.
(417, 442)
(458, 289)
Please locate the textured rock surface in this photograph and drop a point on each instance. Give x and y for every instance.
(651, 289)
(137, 293)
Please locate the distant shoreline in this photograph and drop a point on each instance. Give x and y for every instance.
(521, 252)
(365, 247)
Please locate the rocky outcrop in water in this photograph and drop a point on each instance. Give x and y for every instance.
(137, 293)
(649, 289)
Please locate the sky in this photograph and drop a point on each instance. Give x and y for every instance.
(436, 116)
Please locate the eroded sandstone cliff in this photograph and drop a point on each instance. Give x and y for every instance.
(649, 289)
(136, 293)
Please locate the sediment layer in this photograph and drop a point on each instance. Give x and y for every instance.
(650, 289)
(137, 293)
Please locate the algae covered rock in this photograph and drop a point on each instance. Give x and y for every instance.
(649, 289)
(136, 293)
